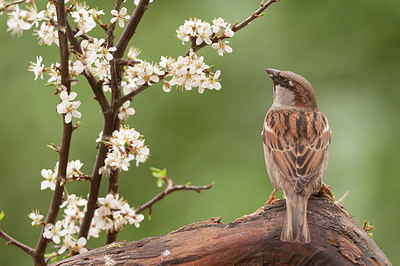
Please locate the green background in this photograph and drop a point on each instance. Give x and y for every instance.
(348, 50)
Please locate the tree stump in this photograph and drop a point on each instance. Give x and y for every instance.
(336, 239)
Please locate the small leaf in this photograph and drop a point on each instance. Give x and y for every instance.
(1, 215)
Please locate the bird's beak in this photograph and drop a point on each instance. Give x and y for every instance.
(273, 73)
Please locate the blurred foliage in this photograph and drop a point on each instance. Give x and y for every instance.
(348, 50)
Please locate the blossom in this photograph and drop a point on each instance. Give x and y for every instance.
(204, 33)
(113, 214)
(121, 16)
(67, 107)
(34, 16)
(55, 75)
(166, 86)
(74, 169)
(16, 23)
(37, 68)
(133, 53)
(166, 62)
(145, 72)
(228, 32)
(50, 179)
(211, 82)
(36, 218)
(125, 111)
(69, 243)
(53, 232)
(125, 145)
(218, 24)
(84, 18)
(222, 47)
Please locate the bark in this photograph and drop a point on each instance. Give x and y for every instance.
(336, 239)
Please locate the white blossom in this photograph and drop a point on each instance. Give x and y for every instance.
(222, 47)
(35, 17)
(53, 232)
(121, 16)
(67, 107)
(133, 53)
(84, 18)
(37, 68)
(50, 179)
(55, 75)
(36, 218)
(113, 214)
(125, 111)
(219, 24)
(69, 243)
(125, 145)
(16, 21)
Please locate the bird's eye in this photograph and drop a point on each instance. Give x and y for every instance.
(285, 82)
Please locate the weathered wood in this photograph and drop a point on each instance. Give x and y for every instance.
(336, 239)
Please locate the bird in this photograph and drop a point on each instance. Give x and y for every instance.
(296, 138)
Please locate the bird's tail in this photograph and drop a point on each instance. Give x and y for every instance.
(296, 227)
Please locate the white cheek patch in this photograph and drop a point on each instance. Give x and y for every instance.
(283, 96)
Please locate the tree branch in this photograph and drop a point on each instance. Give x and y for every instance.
(66, 136)
(12, 241)
(130, 28)
(168, 190)
(337, 239)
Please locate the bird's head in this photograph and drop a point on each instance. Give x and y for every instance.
(291, 90)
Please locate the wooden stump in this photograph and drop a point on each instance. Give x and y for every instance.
(336, 239)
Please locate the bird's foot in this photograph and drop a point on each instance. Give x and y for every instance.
(326, 190)
(272, 198)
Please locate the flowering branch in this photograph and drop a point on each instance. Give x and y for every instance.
(168, 190)
(12, 241)
(235, 27)
(196, 47)
(66, 136)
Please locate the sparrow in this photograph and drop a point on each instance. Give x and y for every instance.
(296, 138)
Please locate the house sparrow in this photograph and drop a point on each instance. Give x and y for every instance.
(296, 138)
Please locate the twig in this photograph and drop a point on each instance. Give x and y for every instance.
(130, 28)
(66, 135)
(255, 15)
(12, 241)
(340, 201)
(12, 3)
(168, 190)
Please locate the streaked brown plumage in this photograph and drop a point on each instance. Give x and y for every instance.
(296, 138)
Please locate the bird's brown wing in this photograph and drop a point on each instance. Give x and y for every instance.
(298, 142)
